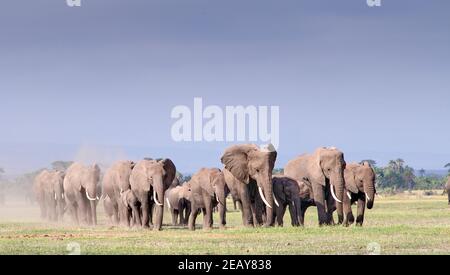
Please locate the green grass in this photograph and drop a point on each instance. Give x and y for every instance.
(400, 225)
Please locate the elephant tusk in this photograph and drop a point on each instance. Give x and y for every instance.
(333, 194)
(97, 198)
(156, 199)
(89, 198)
(349, 195)
(62, 196)
(275, 201)
(263, 198)
(56, 197)
(367, 197)
(168, 203)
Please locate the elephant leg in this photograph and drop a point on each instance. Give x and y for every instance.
(361, 209)
(294, 214)
(331, 207)
(136, 216)
(256, 214)
(193, 217)
(145, 210)
(208, 215)
(347, 205)
(247, 217)
(174, 217)
(319, 199)
(280, 211)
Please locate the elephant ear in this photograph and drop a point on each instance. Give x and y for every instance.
(171, 171)
(350, 180)
(316, 174)
(235, 160)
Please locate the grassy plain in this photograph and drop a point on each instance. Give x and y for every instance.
(400, 224)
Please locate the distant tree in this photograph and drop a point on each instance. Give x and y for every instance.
(408, 176)
(369, 161)
(61, 165)
(422, 173)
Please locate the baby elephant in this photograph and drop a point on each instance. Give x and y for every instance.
(359, 187)
(177, 199)
(132, 207)
(287, 193)
(208, 189)
(108, 206)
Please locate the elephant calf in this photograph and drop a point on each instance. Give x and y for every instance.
(287, 193)
(208, 189)
(177, 199)
(360, 188)
(132, 207)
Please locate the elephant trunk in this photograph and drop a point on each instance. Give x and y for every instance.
(337, 186)
(268, 198)
(93, 205)
(221, 199)
(158, 193)
(158, 197)
(369, 189)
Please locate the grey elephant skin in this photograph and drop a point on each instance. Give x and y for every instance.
(48, 189)
(80, 190)
(323, 171)
(287, 194)
(115, 181)
(178, 203)
(360, 188)
(248, 174)
(208, 190)
(149, 180)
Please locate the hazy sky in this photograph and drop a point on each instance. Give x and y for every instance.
(99, 81)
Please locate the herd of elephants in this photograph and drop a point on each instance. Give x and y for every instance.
(135, 193)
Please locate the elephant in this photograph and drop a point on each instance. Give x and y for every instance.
(323, 172)
(248, 171)
(149, 180)
(80, 190)
(115, 181)
(287, 194)
(359, 187)
(108, 207)
(208, 190)
(178, 202)
(447, 188)
(49, 189)
(132, 205)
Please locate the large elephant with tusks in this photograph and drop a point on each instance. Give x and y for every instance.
(149, 180)
(248, 174)
(323, 172)
(80, 190)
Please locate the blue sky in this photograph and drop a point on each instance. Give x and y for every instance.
(99, 81)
